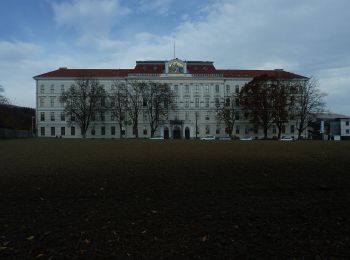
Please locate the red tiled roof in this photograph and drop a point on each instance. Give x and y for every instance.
(254, 73)
(149, 69)
(202, 69)
(63, 72)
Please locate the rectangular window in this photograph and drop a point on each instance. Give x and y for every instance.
(52, 89)
(347, 131)
(228, 89)
(187, 102)
(112, 130)
(217, 102)
(187, 115)
(52, 116)
(217, 89)
(144, 131)
(207, 117)
(42, 102)
(93, 132)
(197, 89)
(52, 131)
(237, 89)
(347, 123)
(102, 116)
(72, 130)
(283, 129)
(237, 129)
(237, 116)
(227, 102)
(196, 102)
(103, 130)
(274, 129)
(237, 102)
(207, 130)
(292, 129)
(42, 131)
(144, 102)
(42, 116)
(62, 88)
(187, 89)
(72, 118)
(246, 130)
(206, 102)
(63, 131)
(42, 89)
(63, 116)
(217, 131)
(207, 90)
(52, 101)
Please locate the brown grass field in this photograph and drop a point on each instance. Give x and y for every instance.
(151, 199)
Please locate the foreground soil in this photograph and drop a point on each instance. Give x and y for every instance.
(118, 199)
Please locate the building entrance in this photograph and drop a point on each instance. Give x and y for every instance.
(177, 132)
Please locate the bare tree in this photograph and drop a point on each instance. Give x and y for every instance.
(119, 104)
(158, 99)
(226, 110)
(256, 99)
(134, 89)
(283, 101)
(309, 100)
(83, 101)
(3, 99)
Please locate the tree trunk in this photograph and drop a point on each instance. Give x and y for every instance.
(120, 131)
(265, 132)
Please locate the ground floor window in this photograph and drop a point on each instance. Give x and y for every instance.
(53, 131)
(347, 131)
(63, 130)
(207, 130)
(274, 129)
(144, 131)
(112, 130)
(217, 131)
(103, 130)
(42, 131)
(237, 130)
(72, 130)
(292, 129)
(283, 129)
(93, 132)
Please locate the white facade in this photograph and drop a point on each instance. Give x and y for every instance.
(196, 94)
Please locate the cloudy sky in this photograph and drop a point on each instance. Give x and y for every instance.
(308, 37)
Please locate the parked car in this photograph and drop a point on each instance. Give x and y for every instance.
(225, 138)
(286, 138)
(208, 138)
(246, 138)
(157, 138)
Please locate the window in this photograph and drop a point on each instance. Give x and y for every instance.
(103, 130)
(144, 102)
(187, 115)
(102, 115)
(52, 116)
(196, 115)
(63, 116)
(274, 129)
(72, 118)
(52, 101)
(217, 102)
(42, 116)
(228, 89)
(62, 88)
(246, 130)
(237, 116)
(237, 102)
(207, 117)
(52, 89)
(124, 131)
(217, 131)
(207, 130)
(144, 116)
(292, 129)
(42, 89)
(72, 130)
(42, 102)
(144, 131)
(52, 131)
(112, 130)
(217, 89)
(347, 123)
(237, 89)
(227, 102)
(187, 89)
(63, 130)
(207, 90)
(206, 102)
(187, 102)
(347, 131)
(283, 129)
(197, 89)
(237, 129)
(93, 132)
(196, 102)
(42, 131)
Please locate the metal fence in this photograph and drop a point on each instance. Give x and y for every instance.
(12, 133)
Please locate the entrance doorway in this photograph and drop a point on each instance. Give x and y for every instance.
(177, 132)
(166, 133)
(187, 133)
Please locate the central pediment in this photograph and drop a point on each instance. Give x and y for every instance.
(176, 66)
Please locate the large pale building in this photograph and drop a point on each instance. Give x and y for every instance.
(197, 84)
